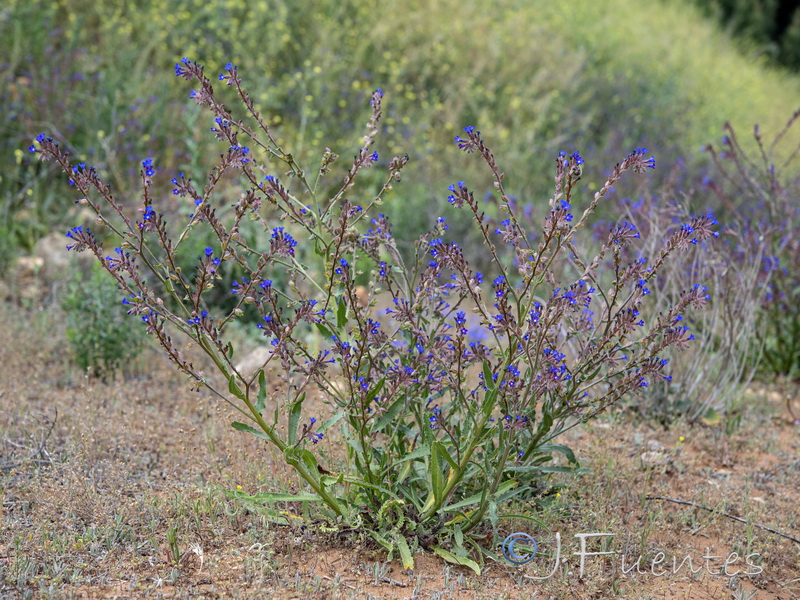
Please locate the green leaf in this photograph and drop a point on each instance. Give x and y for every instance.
(371, 486)
(341, 314)
(488, 381)
(458, 536)
(261, 399)
(405, 552)
(564, 469)
(387, 545)
(565, 450)
(439, 447)
(495, 557)
(437, 482)
(355, 445)
(401, 476)
(420, 452)
(374, 391)
(489, 402)
(295, 456)
(324, 331)
(493, 514)
(546, 424)
(234, 389)
(389, 415)
(475, 498)
(331, 422)
(541, 458)
(711, 418)
(329, 480)
(537, 522)
(294, 418)
(458, 560)
(244, 427)
(537, 468)
(504, 498)
(269, 497)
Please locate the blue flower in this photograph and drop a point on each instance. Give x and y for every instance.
(147, 163)
(283, 243)
(180, 69)
(650, 162)
(75, 231)
(41, 138)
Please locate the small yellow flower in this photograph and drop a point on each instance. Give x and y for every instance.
(238, 487)
(558, 494)
(680, 439)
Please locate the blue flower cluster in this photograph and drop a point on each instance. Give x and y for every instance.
(149, 170)
(282, 243)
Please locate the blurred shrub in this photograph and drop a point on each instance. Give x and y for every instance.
(102, 337)
(708, 379)
(760, 191)
(773, 26)
(753, 324)
(611, 75)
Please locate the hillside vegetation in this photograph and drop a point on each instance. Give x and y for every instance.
(535, 77)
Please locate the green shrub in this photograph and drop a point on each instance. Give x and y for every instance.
(102, 338)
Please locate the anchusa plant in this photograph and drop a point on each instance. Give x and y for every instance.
(449, 402)
(706, 381)
(760, 190)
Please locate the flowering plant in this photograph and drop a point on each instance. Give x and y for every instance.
(759, 188)
(449, 402)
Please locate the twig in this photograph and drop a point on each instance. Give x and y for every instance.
(393, 581)
(783, 535)
(340, 581)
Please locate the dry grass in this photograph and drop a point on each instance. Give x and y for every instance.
(116, 491)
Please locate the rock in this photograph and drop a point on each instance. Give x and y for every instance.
(654, 458)
(26, 279)
(55, 259)
(654, 446)
(253, 361)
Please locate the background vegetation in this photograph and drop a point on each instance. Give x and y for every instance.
(770, 27)
(535, 77)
